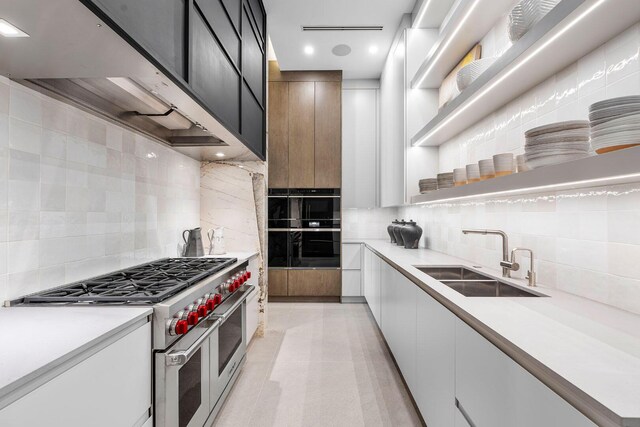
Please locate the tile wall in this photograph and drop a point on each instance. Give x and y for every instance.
(587, 242)
(80, 196)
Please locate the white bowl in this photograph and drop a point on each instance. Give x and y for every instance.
(526, 14)
(473, 172)
(470, 72)
(503, 162)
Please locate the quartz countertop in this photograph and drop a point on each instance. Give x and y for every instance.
(36, 340)
(587, 352)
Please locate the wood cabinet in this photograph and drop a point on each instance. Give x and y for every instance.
(309, 155)
(314, 283)
(278, 135)
(328, 135)
(496, 391)
(301, 135)
(109, 388)
(278, 283)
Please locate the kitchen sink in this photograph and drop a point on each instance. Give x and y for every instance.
(470, 283)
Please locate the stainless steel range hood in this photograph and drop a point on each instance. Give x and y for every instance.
(73, 56)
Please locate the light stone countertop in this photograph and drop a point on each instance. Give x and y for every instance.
(587, 352)
(36, 340)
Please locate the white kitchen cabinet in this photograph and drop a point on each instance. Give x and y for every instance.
(351, 283)
(405, 327)
(496, 391)
(351, 256)
(109, 388)
(388, 297)
(360, 144)
(434, 390)
(371, 282)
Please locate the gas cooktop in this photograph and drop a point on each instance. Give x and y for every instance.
(148, 283)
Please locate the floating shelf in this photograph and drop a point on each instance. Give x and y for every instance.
(617, 167)
(467, 24)
(570, 31)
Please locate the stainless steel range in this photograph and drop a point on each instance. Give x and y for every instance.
(199, 327)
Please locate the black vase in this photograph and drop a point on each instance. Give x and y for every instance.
(411, 234)
(396, 232)
(390, 230)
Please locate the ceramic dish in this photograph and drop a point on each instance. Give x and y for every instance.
(470, 72)
(526, 14)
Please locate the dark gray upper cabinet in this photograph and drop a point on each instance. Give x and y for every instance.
(215, 14)
(213, 76)
(233, 8)
(258, 15)
(252, 59)
(214, 49)
(158, 25)
(253, 121)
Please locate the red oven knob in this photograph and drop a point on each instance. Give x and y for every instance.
(243, 278)
(217, 298)
(236, 284)
(211, 304)
(192, 318)
(202, 310)
(248, 275)
(181, 327)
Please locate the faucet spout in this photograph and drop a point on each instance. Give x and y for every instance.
(506, 272)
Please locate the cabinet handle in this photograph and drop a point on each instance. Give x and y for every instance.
(464, 413)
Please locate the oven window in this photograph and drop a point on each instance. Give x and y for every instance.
(278, 249)
(190, 389)
(315, 249)
(229, 339)
(278, 212)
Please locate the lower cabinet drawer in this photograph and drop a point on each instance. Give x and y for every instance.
(351, 283)
(314, 283)
(110, 388)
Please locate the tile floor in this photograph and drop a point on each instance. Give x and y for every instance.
(319, 365)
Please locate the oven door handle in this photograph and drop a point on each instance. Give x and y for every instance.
(177, 358)
(241, 296)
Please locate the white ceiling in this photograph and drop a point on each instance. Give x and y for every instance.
(286, 17)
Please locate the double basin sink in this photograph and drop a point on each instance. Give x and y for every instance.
(470, 283)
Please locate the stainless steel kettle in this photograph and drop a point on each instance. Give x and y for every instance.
(192, 243)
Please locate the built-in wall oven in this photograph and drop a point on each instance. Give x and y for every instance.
(304, 228)
(194, 375)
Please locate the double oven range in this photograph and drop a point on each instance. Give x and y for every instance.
(198, 323)
(304, 228)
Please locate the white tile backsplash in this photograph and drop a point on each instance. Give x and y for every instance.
(586, 242)
(75, 201)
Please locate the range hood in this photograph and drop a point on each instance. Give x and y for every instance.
(74, 57)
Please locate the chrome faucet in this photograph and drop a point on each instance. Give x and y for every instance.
(506, 272)
(514, 266)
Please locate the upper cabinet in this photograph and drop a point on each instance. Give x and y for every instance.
(213, 49)
(305, 129)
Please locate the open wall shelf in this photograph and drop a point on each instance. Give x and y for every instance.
(617, 167)
(571, 30)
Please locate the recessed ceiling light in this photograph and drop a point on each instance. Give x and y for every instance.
(308, 50)
(9, 30)
(219, 154)
(373, 49)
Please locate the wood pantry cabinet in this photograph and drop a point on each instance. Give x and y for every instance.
(305, 128)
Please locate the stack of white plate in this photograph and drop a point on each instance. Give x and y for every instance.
(470, 72)
(445, 180)
(427, 185)
(526, 14)
(615, 124)
(557, 143)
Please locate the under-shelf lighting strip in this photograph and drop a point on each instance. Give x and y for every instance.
(619, 179)
(510, 72)
(452, 37)
(421, 12)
